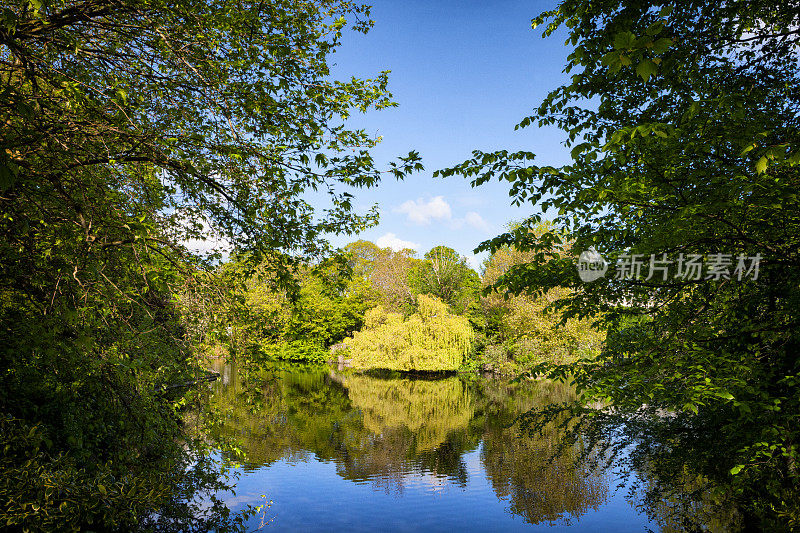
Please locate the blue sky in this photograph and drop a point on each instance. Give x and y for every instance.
(464, 73)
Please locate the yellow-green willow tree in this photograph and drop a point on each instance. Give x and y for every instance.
(431, 339)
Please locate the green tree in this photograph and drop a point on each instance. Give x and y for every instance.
(129, 129)
(364, 256)
(388, 272)
(329, 311)
(445, 274)
(431, 339)
(329, 305)
(253, 317)
(524, 329)
(683, 128)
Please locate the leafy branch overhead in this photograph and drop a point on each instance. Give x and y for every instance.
(682, 122)
(230, 121)
(135, 132)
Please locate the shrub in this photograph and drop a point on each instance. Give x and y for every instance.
(297, 351)
(496, 359)
(431, 339)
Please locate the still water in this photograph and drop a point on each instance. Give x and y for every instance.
(341, 451)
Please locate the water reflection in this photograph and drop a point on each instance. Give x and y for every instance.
(392, 432)
(544, 483)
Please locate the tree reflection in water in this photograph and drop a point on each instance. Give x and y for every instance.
(390, 431)
(542, 482)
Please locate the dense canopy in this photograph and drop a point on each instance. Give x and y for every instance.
(132, 131)
(682, 120)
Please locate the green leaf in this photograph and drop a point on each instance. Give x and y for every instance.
(624, 40)
(655, 28)
(646, 68)
(748, 148)
(661, 45)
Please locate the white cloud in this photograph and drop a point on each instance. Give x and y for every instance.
(422, 212)
(212, 241)
(476, 221)
(471, 219)
(210, 244)
(390, 240)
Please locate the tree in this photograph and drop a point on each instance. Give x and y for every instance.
(683, 128)
(130, 128)
(329, 305)
(526, 329)
(388, 272)
(432, 339)
(445, 274)
(364, 257)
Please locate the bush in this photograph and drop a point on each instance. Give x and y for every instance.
(497, 359)
(296, 351)
(431, 339)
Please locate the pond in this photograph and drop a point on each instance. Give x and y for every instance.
(337, 450)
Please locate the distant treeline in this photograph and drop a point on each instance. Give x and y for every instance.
(391, 310)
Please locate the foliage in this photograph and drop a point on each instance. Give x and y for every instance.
(530, 329)
(387, 271)
(226, 124)
(328, 304)
(496, 359)
(43, 489)
(682, 123)
(331, 305)
(398, 277)
(130, 129)
(445, 274)
(431, 339)
(82, 396)
(209, 309)
(298, 351)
